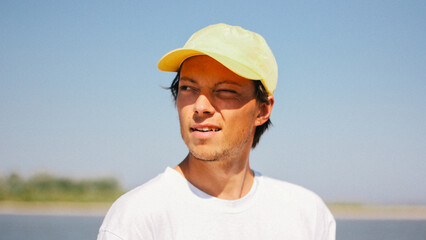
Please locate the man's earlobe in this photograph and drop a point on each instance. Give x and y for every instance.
(265, 111)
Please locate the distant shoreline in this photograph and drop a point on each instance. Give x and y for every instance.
(96, 209)
(99, 209)
(378, 212)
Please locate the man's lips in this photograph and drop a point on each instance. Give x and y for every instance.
(205, 128)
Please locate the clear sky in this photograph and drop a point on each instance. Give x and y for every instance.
(81, 96)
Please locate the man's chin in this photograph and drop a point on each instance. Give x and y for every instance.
(205, 157)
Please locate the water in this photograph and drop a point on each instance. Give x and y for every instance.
(381, 229)
(16, 227)
(86, 228)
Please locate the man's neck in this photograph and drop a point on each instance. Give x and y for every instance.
(225, 179)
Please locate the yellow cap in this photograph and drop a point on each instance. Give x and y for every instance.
(244, 52)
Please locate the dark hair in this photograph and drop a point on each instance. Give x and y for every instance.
(261, 97)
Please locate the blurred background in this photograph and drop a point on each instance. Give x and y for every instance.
(81, 96)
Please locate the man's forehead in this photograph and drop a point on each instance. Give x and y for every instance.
(188, 79)
(207, 67)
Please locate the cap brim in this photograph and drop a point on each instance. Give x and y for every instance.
(172, 61)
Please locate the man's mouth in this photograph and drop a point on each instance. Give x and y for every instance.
(205, 129)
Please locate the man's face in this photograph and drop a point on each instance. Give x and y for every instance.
(217, 109)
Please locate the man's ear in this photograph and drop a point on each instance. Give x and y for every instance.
(265, 111)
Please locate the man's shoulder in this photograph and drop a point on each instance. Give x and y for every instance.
(144, 198)
(290, 192)
(298, 204)
(155, 188)
(292, 198)
(136, 207)
(141, 202)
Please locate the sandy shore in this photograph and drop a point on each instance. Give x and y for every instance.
(387, 212)
(340, 211)
(54, 208)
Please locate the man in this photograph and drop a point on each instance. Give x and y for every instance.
(224, 96)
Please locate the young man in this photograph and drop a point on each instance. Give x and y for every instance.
(224, 96)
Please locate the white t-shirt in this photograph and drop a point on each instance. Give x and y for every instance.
(169, 207)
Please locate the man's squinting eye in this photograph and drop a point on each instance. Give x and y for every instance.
(226, 93)
(185, 88)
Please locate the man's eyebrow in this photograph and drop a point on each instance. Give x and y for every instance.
(216, 84)
(227, 82)
(187, 79)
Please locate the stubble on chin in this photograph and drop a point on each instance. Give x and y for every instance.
(205, 157)
(223, 154)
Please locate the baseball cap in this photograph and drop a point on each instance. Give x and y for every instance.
(244, 52)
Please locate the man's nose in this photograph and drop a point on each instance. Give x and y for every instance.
(203, 106)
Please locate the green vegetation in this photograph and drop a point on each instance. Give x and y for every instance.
(48, 188)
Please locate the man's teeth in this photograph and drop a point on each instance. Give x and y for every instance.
(206, 129)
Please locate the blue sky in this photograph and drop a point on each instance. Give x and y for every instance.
(81, 96)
